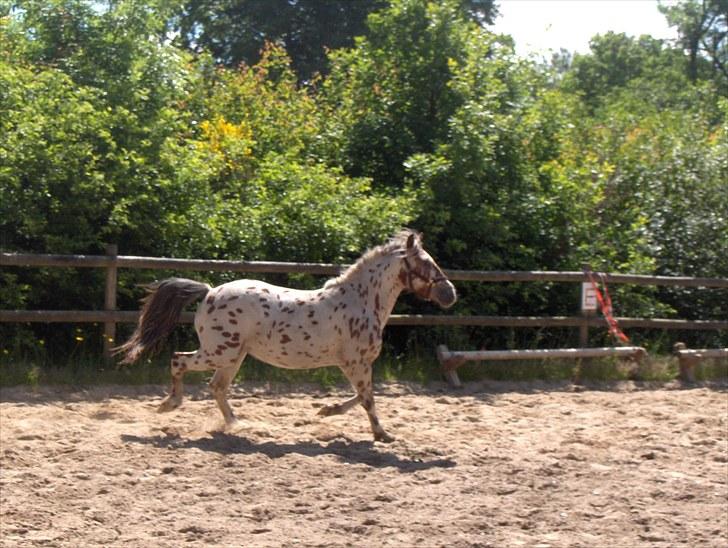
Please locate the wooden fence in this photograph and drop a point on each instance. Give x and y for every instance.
(111, 262)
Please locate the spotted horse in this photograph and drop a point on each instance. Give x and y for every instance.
(339, 324)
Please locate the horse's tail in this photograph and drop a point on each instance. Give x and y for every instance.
(162, 308)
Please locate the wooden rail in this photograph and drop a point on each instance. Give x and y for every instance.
(421, 320)
(690, 358)
(329, 269)
(450, 360)
(111, 262)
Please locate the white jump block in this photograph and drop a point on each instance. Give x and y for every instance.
(689, 358)
(451, 360)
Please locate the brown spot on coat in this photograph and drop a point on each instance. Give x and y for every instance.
(285, 339)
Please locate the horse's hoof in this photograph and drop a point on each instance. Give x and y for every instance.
(326, 411)
(169, 404)
(384, 437)
(232, 425)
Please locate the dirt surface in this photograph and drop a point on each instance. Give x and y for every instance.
(491, 465)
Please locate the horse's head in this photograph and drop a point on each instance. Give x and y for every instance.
(421, 275)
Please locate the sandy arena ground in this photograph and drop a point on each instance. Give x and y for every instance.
(493, 464)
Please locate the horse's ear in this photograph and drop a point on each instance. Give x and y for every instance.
(411, 241)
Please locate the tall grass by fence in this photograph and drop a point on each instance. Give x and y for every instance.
(112, 262)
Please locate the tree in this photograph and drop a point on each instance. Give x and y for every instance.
(703, 29)
(389, 96)
(235, 31)
(171, 156)
(616, 61)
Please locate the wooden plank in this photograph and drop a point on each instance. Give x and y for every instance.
(543, 354)
(552, 321)
(71, 261)
(704, 352)
(100, 316)
(162, 263)
(253, 267)
(574, 276)
(690, 358)
(68, 316)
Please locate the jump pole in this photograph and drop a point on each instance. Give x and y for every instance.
(690, 358)
(451, 360)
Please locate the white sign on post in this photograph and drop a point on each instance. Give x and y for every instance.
(588, 296)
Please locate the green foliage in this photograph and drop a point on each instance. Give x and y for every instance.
(235, 31)
(118, 123)
(703, 29)
(112, 134)
(390, 93)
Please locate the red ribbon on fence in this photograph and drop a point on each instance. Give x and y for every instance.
(605, 304)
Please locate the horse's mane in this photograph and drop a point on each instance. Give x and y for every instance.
(397, 245)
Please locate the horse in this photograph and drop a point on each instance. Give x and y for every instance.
(339, 324)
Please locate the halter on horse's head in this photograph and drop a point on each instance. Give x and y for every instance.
(421, 275)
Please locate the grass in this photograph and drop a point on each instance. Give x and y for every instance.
(424, 368)
(90, 371)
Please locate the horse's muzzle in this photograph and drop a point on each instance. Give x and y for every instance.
(444, 294)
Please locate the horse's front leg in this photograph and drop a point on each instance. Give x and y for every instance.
(360, 377)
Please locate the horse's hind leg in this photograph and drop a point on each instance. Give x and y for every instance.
(338, 408)
(220, 383)
(181, 363)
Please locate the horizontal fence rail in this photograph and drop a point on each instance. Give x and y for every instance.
(328, 269)
(111, 262)
(123, 316)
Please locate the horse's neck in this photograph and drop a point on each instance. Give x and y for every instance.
(380, 285)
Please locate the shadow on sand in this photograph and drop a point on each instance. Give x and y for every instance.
(351, 452)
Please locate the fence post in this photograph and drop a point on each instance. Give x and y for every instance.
(112, 250)
(584, 328)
